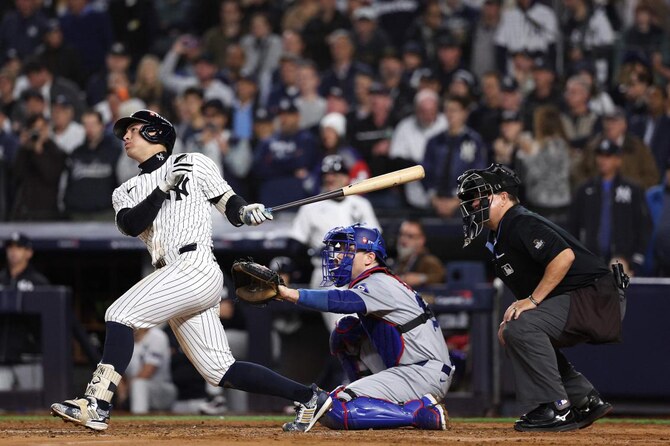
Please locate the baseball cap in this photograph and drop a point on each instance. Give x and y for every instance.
(636, 56)
(378, 88)
(509, 84)
(287, 106)
(465, 77)
(19, 239)
(543, 63)
(53, 25)
(31, 93)
(510, 116)
(118, 49)
(336, 92)
(447, 40)
(247, 77)
(262, 115)
(206, 57)
(332, 37)
(61, 99)
(412, 47)
(607, 147)
(583, 65)
(365, 13)
(287, 56)
(426, 73)
(334, 164)
(615, 113)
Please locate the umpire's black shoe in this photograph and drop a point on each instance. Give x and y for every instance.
(547, 418)
(594, 408)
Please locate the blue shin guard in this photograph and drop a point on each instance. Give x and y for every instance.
(372, 413)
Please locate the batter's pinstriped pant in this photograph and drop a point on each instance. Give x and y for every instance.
(186, 294)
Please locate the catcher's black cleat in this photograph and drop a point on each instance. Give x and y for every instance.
(594, 409)
(547, 418)
(82, 411)
(309, 413)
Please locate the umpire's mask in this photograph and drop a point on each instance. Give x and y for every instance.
(475, 190)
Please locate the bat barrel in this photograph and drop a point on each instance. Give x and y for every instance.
(379, 182)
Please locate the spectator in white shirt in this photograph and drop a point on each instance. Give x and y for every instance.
(67, 133)
(410, 136)
(531, 26)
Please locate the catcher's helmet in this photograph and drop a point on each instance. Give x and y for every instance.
(475, 186)
(342, 243)
(156, 129)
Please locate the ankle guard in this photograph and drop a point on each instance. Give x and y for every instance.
(103, 384)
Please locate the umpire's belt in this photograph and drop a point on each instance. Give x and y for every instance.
(445, 368)
(186, 248)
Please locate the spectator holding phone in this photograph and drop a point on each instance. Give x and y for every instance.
(37, 169)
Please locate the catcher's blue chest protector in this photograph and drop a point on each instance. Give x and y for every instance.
(386, 336)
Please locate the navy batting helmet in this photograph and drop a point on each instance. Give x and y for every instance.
(155, 129)
(475, 187)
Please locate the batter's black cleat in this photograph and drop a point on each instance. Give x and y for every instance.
(309, 413)
(547, 418)
(594, 409)
(82, 411)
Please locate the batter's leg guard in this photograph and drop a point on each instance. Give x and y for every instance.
(87, 411)
(345, 344)
(350, 413)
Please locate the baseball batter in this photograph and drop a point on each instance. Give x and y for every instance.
(393, 350)
(168, 207)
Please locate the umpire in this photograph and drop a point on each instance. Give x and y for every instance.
(565, 295)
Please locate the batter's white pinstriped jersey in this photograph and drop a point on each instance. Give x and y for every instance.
(184, 218)
(186, 291)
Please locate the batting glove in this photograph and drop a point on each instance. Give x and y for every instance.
(180, 167)
(254, 214)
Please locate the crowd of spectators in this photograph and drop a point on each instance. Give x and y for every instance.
(269, 88)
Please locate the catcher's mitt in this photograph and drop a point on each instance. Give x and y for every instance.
(255, 283)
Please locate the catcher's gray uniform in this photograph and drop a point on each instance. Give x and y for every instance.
(187, 285)
(423, 354)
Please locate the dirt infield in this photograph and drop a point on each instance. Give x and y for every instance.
(45, 431)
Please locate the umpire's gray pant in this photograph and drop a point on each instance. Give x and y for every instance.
(541, 373)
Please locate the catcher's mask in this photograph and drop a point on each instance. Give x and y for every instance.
(342, 243)
(475, 190)
(155, 129)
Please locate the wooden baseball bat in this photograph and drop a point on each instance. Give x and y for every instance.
(379, 182)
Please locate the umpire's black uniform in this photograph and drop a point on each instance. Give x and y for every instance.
(585, 305)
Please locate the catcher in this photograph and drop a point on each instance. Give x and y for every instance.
(393, 351)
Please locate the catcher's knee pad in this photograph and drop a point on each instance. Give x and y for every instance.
(369, 413)
(347, 336)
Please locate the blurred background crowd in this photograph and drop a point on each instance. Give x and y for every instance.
(573, 94)
(291, 97)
